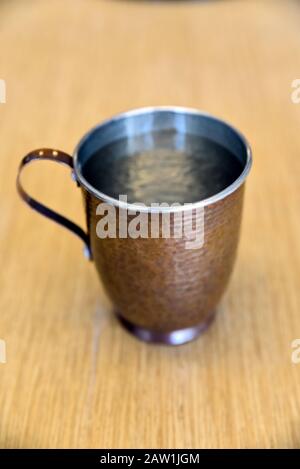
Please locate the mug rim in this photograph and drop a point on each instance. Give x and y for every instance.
(147, 208)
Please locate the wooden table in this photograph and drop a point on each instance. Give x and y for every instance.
(73, 377)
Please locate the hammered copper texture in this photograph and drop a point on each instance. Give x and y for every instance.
(160, 285)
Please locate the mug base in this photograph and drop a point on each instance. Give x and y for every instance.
(177, 337)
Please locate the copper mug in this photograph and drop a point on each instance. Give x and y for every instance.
(161, 291)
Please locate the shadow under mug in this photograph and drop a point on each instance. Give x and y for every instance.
(162, 291)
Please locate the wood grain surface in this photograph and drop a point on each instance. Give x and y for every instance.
(73, 377)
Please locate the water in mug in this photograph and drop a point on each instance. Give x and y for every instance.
(163, 166)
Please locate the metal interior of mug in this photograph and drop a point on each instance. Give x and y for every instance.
(148, 120)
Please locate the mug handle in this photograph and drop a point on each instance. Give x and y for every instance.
(59, 157)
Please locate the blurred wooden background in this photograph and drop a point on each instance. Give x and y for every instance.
(73, 377)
